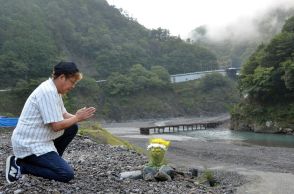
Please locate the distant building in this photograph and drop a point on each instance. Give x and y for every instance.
(230, 72)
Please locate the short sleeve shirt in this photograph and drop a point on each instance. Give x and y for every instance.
(33, 133)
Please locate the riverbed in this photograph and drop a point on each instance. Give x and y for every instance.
(260, 163)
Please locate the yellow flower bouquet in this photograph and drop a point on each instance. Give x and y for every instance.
(157, 148)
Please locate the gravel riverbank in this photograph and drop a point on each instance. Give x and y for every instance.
(97, 168)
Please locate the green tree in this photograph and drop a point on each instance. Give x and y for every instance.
(289, 74)
(118, 84)
(11, 69)
(260, 84)
(280, 49)
(289, 25)
(161, 73)
(140, 77)
(212, 81)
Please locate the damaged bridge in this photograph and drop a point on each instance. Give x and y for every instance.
(179, 127)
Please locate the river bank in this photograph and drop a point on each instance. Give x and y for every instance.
(244, 168)
(259, 163)
(98, 167)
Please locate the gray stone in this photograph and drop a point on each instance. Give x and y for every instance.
(18, 191)
(149, 170)
(137, 174)
(89, 141)
(149, 177)
(194, 172)
(288, 130)
(168, 170)
(149, 173)
(162, 176)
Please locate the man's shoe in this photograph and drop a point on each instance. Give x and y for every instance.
(12, 169)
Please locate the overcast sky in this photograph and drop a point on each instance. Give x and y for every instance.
(182, 16)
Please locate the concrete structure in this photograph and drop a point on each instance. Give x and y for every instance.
(197, 75)
(180, 127)
(5, 90)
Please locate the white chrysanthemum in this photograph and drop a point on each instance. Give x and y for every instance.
(156, 145)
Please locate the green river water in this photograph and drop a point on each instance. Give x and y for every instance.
(263, 139)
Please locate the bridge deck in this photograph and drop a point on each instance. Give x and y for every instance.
(179, 127)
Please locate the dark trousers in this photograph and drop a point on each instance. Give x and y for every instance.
(51, 165)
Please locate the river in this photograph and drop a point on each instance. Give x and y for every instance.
(131, 130)
(263, 139)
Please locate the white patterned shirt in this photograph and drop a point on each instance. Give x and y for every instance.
(33, 133)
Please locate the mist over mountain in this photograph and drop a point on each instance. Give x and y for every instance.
(236, 41)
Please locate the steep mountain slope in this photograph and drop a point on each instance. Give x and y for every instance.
(267, 83)
(35, 34)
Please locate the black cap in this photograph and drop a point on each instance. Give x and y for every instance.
(65, 68)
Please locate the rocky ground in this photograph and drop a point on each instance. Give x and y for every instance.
(269, 169)
(97, 170)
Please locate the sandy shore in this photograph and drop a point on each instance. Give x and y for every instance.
(266, 167)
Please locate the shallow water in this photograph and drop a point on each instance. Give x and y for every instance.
(263, 139)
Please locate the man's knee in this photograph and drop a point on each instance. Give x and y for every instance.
(66, 176)
(71, 131)
(74, 128)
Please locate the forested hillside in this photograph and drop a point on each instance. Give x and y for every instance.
(107, 45)
(36, 34)
(267, 85)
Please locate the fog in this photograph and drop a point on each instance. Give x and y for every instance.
(252, 26)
